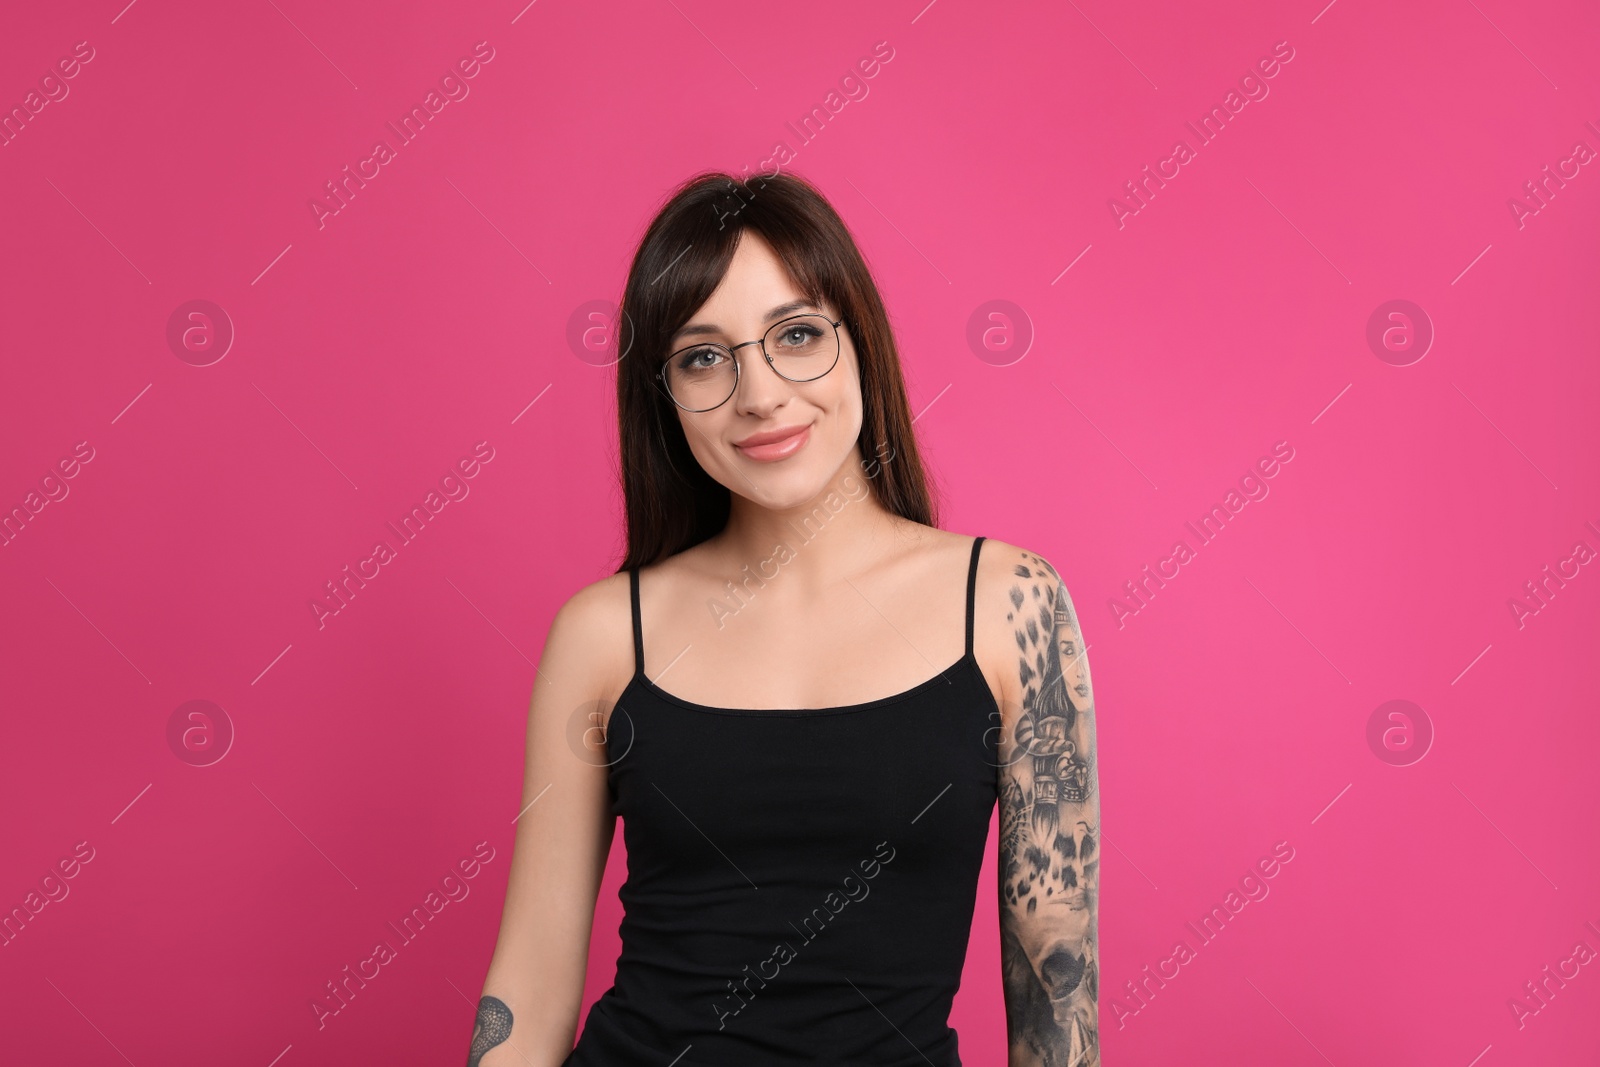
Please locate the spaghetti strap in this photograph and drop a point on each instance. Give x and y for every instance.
(972, 587)
(638, 629)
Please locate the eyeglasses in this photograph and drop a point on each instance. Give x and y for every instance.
(703, 376)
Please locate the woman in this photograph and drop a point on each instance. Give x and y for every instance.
(805, 795)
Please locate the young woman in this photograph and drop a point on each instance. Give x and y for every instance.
(801, 696)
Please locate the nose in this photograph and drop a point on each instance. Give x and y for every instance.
(761, 390)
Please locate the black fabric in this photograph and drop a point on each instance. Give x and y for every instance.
(801, 883)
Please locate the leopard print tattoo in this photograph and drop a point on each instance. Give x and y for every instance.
(1049, 834)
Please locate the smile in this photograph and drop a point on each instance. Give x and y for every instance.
(774, 445)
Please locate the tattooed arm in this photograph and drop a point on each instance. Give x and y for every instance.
(1049, 825)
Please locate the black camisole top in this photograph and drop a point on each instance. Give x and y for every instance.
(800, 883)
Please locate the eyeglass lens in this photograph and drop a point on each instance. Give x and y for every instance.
(800, 349)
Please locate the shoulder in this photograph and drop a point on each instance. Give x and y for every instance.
(597, 604)
(591, 635)
(1021, 609)
(594, 628)
(1005, 572)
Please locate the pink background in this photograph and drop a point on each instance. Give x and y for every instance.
(1229, 313)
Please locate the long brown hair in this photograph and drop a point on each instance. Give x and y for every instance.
(671, 502)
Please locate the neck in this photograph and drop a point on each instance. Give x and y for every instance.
(828, 535)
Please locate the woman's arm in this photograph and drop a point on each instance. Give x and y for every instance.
(533, 991)
(1049, 826)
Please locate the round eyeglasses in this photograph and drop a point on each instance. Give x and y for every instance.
(703, 376)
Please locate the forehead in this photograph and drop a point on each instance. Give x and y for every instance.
(756, 291)
(755, 271)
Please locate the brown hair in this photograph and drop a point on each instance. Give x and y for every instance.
(670, 501)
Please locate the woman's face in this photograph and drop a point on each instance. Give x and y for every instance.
(820, 419)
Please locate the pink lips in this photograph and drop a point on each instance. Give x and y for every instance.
(775, 445)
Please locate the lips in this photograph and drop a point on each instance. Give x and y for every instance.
(772, 445)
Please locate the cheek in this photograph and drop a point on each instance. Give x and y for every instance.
(845, 398)
(844, 421)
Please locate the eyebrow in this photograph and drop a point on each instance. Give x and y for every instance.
(704, 329)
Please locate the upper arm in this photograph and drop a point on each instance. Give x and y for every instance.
(1049, 811)
(564, 829)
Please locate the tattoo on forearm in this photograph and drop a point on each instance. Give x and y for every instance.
(492, 1027)
(1050, 835)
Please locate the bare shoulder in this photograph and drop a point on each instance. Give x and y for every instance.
(590, 644)
(1015, 564)
(1024, 621)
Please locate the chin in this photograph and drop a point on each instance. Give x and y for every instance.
(782, 493)
(779, 486)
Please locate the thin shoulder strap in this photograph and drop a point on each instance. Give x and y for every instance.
(638, 629)
(972, 588)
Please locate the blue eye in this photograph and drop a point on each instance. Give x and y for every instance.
(698, 359)
(797, 336)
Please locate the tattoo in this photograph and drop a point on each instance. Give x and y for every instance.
(492, 1028)
(1050, 835)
